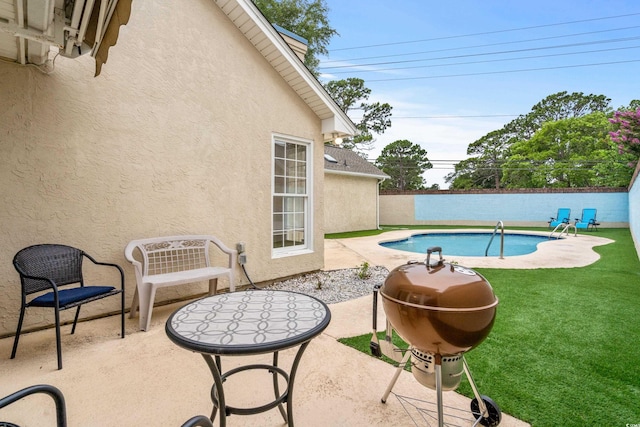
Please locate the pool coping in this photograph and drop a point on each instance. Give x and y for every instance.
(569, 252)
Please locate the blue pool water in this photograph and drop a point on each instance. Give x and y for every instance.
(468, 244)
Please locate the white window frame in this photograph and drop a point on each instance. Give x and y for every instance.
(307, 246)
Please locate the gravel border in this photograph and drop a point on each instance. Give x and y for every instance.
(336, 285)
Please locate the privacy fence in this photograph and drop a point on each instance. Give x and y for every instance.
(616, 207)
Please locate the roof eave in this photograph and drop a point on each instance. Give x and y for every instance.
(361, 174)
(335, 122)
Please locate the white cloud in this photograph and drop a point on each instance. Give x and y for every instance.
(443, 138)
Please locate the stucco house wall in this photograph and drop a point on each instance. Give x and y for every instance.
(174, 137)
(350, 203)
(397, 209)
(351, 187)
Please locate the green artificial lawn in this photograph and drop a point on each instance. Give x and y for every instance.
(565, 346)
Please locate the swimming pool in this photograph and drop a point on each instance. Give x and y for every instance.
(468, 244)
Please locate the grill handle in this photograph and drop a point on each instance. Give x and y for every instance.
(374, 345)
(430, 251)
(376, 288)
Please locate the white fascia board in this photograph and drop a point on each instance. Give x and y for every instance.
(341, 122)
(364, 175)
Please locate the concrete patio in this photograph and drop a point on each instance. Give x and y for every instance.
(145, 379)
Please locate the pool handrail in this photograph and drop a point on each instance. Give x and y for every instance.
(495, 230)
(564, 230)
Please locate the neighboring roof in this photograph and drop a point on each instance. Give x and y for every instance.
(257, 29)
(28, 29)
(299, 45)
(347, 162)
(294, 36)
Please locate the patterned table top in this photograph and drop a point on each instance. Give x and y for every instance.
(248, 322)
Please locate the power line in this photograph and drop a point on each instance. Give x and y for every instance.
(378, 70)
(486, 53)
(501, 162)
(520, 165)
(504, 72)
(488, 32)
(477, 46)
(456, 117)
(445, 116)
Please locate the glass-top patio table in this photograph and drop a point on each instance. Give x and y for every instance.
(248, 323)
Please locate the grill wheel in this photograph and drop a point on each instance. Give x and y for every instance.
(494, 416)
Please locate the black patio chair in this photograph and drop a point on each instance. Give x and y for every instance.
(50, 267)
(56, 395)
(198, 421)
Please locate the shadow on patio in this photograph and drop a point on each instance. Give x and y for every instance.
(146, 379)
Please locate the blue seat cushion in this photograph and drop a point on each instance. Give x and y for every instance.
(68, 296)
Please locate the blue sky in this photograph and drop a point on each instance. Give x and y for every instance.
(467, 58)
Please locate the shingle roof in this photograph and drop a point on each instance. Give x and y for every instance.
(349, 162)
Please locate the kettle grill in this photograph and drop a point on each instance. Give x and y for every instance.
(441, 310)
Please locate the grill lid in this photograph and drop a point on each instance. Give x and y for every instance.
(439, 287)
(439, 307)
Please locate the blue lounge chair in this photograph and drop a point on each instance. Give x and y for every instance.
(563, 217)
(588, 220)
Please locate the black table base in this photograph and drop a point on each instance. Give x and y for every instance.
(217, 390)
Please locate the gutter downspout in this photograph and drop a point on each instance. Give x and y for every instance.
(378, 204)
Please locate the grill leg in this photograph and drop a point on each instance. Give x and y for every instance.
(399, 369)
(481, 406)
(438, 367)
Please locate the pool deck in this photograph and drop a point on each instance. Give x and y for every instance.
(568, 252)
(145, 379)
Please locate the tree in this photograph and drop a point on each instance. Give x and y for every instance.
(571, 152)
(483, 169)
(351, 94)
(306, 18)
(494, 149)
(614, 170)
(405, 163)
(563, 105)
(627, 132)
(470, 173)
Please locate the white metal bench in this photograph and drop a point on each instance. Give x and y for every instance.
(171, 261)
